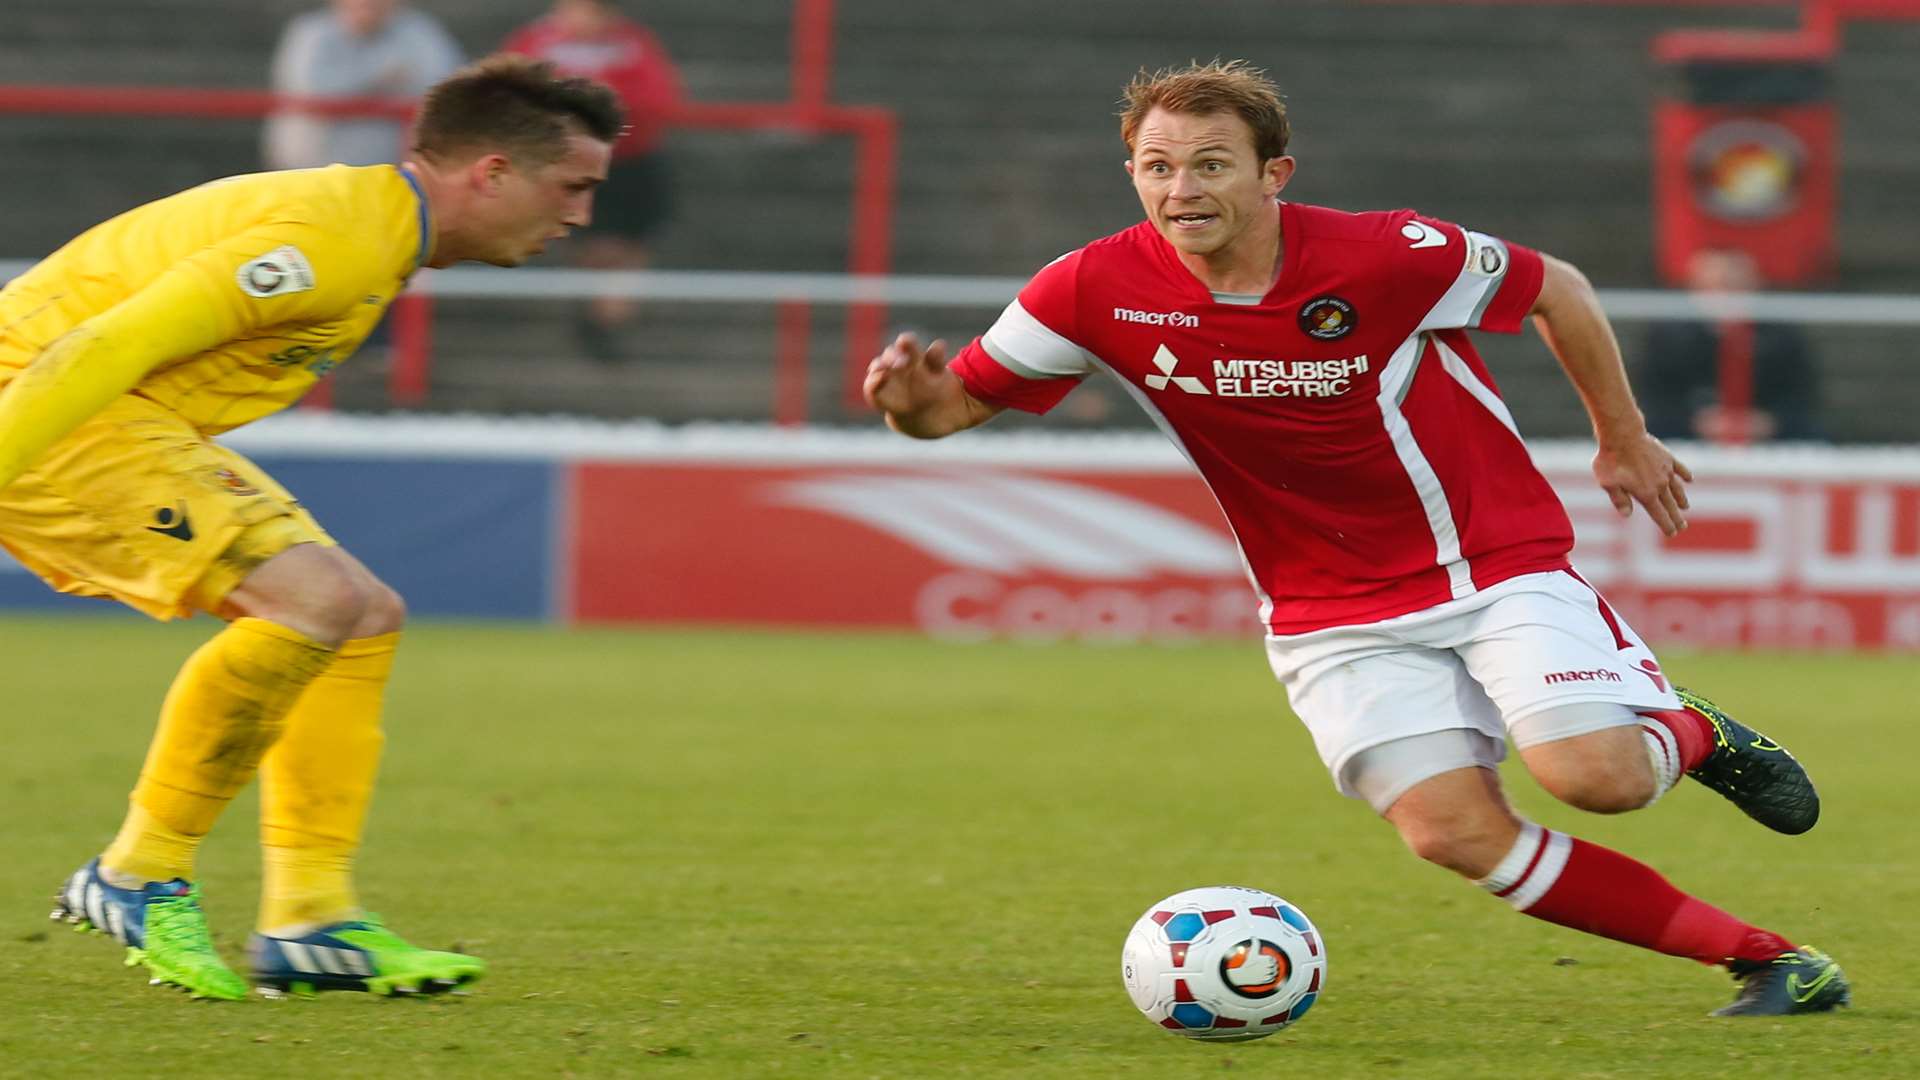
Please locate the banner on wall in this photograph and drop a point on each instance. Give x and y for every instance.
(973, 551)
(1114, 539)
(460, 538)
(957, 552)
(1745, 152)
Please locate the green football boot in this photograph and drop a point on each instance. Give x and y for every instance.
(1804, 980)
(161, 925)
(1755, 773)
(361, 954)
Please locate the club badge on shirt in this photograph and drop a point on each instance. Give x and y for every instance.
(279, 272)
(1327, 318)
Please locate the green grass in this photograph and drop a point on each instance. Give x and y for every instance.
(745, 855)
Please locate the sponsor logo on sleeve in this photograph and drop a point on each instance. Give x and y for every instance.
(279, 272)
(1485, 255)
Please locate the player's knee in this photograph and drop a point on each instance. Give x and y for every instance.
(385, 612)
(1606, 773)
(309, 589)
(337, 602)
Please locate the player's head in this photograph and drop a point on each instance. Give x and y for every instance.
(1207, 150)
(585, 18)
(514, 152)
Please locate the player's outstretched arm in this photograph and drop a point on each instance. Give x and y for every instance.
(912, 387)
(1632, 466)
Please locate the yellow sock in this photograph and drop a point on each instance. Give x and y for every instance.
(226, 707)
(315, 786)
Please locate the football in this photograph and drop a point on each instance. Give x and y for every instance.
(1224, 963)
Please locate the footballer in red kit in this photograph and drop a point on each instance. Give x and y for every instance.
(1412, 564)
(1353, 360)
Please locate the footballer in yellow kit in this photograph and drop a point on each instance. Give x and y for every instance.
(252, 288)
(121, 354)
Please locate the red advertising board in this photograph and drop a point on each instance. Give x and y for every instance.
(1767, 562)
(958, 551)
(1824, 556)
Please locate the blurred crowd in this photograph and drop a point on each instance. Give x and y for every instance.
(1722, 376)
(388, 49)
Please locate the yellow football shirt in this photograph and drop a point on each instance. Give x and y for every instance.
(270, 280)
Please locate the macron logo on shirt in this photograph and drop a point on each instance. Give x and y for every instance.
(1156, 318)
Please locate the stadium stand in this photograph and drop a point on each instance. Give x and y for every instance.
(1530, 121)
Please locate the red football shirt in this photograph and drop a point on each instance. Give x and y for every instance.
(1352, 436)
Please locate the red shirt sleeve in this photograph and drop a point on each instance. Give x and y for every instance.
(990, 381)
(1461, 279)
(1518, 290)
(1029, 359)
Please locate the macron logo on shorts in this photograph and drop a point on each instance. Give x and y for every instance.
(1596, 675)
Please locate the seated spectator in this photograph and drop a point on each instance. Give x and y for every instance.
(1679, 376)
(593, 38)
(353, 48)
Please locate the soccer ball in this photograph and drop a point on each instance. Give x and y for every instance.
(1224, 963)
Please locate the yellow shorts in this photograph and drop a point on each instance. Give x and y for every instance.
(136, 504)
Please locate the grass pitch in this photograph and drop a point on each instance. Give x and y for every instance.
(746, 855)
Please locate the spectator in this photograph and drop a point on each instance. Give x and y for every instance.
(1682, 366)
(593, 38)
(354, 48)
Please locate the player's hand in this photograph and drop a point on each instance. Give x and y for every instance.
(1642, 470)
(904, 379)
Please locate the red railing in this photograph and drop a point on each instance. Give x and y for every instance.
(874, 129)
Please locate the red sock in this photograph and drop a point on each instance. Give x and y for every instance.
(1691, 734)
(1552, 876)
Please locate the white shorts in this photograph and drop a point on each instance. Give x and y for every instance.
(1482, 662)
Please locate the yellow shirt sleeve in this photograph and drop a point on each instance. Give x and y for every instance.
(273, 275)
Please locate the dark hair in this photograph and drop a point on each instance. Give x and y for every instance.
(517, 106)
(1229, 86)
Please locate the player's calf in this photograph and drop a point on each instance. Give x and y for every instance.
(1457, 820)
